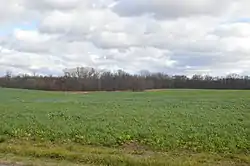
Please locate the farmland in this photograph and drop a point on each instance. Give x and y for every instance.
(193, 127)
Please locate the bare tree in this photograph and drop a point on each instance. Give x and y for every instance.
(89, 79)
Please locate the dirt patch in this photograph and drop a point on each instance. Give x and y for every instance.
(8, 164)
(137, 149)
(87, 92)
(155, 90)
(78, 92)
(132, 146)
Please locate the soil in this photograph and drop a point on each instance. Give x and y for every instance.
(137, 149)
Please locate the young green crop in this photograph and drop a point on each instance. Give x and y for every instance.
(197, 120)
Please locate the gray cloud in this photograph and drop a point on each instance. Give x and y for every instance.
(171, 9)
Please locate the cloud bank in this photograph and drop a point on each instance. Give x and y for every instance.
(176, 37)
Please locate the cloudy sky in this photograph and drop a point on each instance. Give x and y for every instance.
(172, 36)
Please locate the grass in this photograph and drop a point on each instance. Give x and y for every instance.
(72, 154)
(172, 127)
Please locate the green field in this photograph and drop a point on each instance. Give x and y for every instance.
(171, 127)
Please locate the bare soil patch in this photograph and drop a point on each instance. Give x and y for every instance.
(155, 90)
(87, 92)
(78, 92)
(137, 149)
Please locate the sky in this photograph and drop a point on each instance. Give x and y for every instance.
(175, 37)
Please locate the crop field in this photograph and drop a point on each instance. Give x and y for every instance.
(170, 127)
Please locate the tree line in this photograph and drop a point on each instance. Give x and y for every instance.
(90, 79)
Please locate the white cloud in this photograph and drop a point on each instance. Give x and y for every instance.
(10, 10)
(53, 4)
(178, 37)
(30, 36)
(171, 9)
(238, 29)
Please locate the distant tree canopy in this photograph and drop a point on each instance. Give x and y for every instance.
(90, 79)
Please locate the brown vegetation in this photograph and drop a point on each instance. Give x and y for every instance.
(84, 79)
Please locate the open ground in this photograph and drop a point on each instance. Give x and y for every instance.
(167, 127)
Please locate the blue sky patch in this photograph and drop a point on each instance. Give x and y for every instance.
(243, 20)
(7, 29)
(238, 20)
